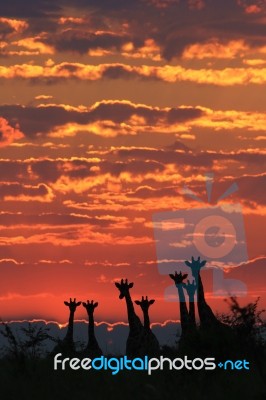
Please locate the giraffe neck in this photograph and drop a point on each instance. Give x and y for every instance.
(184, 316)
(192, 310)
(91, 327)
(207, 317)
(93, 349)
(70, 328)
(133, 320)
(146, 319)
(201, 295)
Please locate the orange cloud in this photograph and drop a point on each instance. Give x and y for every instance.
(18, 25)
(8, 134)
(252, 9)
(3, 45)
(163, 3)
(20, 192)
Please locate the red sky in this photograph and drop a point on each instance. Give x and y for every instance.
(107, 111)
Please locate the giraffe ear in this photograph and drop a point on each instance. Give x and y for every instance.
(66, 303)
(137, 302)
(188, 263)
(84, 304)
(151, 301)
(117, 285)
(131, 285)
(172, 276)
(96, 304)
(185, 276)
(202, 263)
(78, 303)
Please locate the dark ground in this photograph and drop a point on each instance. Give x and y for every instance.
(38, 380)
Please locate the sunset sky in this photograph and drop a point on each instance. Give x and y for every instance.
(108, 110)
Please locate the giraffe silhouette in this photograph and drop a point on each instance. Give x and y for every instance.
(68, 341)
(206, 315)
(191, 288)
(135, 346)
(93, 349)
(152, 341)
(66, 345)
(187, 325)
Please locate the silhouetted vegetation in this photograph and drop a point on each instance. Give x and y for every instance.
(26, 373)
(246, 321)
(29, 344)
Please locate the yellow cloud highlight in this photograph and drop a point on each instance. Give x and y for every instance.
(187, 136)
(104, 128)
(215, 49)
(43, 97)
(42, 198)
(168, 73)
(72, 20)
(260, 137)
(254, 62)
(231, 119)
(221, 77)
(150, 50)
(135, 124)
(35, 45)
(66, 185)
(98, 52)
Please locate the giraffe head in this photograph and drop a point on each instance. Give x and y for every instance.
(90, 306)
(144, 303)
(190, 287)
(72, 304)
(178, 278)
(195, 266)
(123, 287)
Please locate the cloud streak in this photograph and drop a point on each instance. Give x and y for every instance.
(52, 74)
